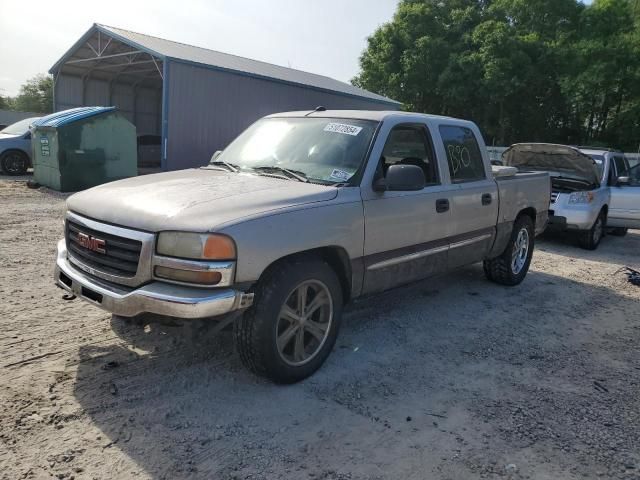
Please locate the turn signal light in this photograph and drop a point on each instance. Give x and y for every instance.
(189, 276)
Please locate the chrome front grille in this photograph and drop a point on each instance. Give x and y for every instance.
(554, 196)
(116, 254)
(121, 255)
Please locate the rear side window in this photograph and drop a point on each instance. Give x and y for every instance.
(463, 154)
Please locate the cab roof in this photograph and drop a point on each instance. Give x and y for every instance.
(375, 115)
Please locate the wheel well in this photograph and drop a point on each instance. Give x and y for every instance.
(9, 150)
(605, 209)
(530, 212)
(336, 257)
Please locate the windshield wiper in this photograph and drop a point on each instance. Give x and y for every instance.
(229, 166)
(293, 174)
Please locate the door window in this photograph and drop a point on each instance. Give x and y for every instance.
(634, 176)
(410, 145)
(622, 170)
(463, 154)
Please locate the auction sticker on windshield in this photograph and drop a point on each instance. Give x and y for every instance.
(340, 175)
(343, 128)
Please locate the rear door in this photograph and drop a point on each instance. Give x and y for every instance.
(405, 232)
(624, 206)
(474, 201)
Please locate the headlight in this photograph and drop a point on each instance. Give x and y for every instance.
(197, 246)
(581, 197)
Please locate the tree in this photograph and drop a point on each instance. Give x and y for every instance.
(524, 70)
(4, 103)
(36, 95)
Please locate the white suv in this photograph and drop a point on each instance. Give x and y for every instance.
(592, 189)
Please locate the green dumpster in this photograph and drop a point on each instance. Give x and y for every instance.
(83, 147)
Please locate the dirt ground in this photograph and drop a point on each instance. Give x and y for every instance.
(450, 378)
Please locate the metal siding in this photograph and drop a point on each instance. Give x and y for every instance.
(141, 105)
(68, 92)
(209, 108)
(122, 97)
(96, 92)
(148, 106)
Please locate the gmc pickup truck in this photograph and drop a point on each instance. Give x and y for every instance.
(303, 212)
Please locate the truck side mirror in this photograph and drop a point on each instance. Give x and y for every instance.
(403, 178)
(216, 155)
(622, 181)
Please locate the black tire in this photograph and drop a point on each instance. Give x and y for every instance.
(590, 239)
(619, 231)
(501, 269)
(256, 333)
(14, 162)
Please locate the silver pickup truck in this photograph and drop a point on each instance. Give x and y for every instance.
(303, 212)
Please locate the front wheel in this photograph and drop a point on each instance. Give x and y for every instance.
(590, 239)
(512, 265)
(14, 163)
(293, 324)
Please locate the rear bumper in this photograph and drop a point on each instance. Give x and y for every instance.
(156, 297)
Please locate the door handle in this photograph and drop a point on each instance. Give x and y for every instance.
(442, 205)
(487, 198)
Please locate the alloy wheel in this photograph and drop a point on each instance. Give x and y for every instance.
(304, 322)
(520, 251)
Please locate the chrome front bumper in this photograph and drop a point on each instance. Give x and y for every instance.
(156, 297)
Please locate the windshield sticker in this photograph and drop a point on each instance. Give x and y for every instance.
(343, 128)
(340, 175)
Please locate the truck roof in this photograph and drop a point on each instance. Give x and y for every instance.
(375, 115)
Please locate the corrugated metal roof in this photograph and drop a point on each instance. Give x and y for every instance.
(69, 116)
(189, 53)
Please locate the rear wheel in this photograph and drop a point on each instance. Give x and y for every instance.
(293, 324)
(14, 163)
(512, 265)
(590, 239)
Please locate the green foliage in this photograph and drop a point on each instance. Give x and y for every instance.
(36, 95)
(524, 70)
(5, 104)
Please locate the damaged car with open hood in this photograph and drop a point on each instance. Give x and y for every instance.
(592, 190)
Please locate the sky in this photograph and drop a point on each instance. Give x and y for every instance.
(319, 36)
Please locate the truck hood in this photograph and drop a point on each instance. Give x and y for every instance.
(558, 159)
(192, 200)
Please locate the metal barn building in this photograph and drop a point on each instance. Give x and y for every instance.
(197, 100)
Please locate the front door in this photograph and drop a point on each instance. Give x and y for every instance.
(624, 206)
(474, 202)
(406, 232)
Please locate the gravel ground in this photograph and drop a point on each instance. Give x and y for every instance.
(450, 378)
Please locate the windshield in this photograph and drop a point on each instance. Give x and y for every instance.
(324, 150)
(599, 159)
(19, 128)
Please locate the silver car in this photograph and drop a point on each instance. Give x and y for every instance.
(593, 190)
(15, 147)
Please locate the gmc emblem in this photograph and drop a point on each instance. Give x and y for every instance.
(91, 243)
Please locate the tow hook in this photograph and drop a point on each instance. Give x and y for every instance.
(68, 297)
